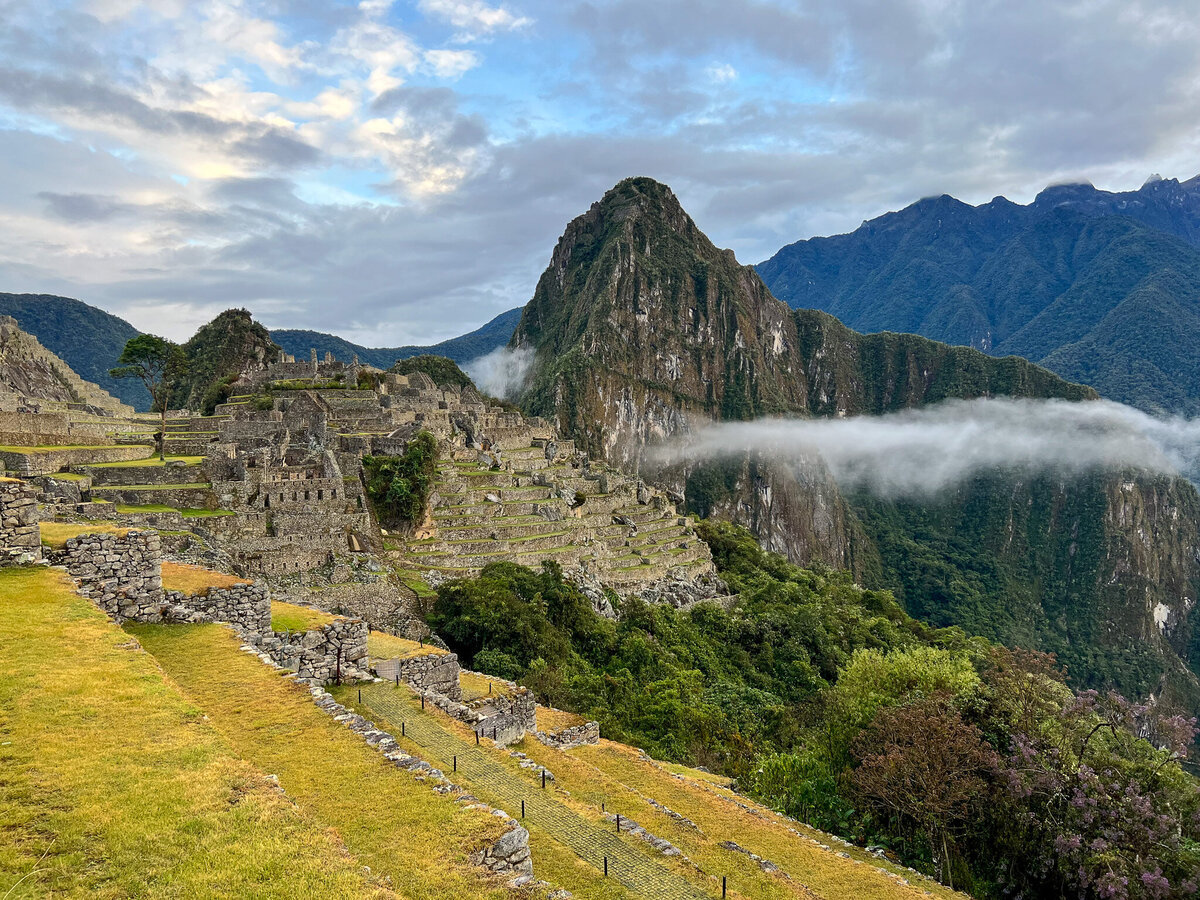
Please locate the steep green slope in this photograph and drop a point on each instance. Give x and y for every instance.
(465, 348)
(1080, 281)
(642, 329)
(219, 350)
(88, 339)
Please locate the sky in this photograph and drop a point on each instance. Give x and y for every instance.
(398, 172)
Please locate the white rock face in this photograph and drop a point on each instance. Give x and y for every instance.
(1162, 613)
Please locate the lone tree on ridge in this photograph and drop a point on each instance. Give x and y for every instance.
(159, 364)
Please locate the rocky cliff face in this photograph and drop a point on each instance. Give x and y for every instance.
(642, 328)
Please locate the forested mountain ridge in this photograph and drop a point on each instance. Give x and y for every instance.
(1101, 288)
(88, 339)
(641, 329)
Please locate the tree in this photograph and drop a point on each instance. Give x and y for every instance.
(158, 364)
(927, 767)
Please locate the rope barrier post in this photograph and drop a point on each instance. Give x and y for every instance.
(422, 701)
(606, 867)
(401, 729)
(476, 737)
(360, 695)
(722, 887)
(618, 823)
(455, 763)
(522, 809)
(543, 778)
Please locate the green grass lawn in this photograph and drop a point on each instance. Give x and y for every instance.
(149, 462)
(113, 785)
(290, 617)
(185, 511)
(56, 534)
(397, 826)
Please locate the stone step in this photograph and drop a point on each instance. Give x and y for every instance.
(187, 471)
(479, 495)
(505, 529)
(475, 513)
(503, 546)
(441, 560)
(48, 460)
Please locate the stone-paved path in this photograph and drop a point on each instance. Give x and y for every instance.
(496, 784)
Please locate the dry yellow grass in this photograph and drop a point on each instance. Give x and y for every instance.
(114, 785)
(551, 719)
(195, 580)
(290, 617)
(56, 534)
(399, 827)
(475, 686)
(388, 646)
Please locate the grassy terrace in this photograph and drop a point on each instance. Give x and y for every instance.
(195, 580)
(153, 487)
(185, 511)
(150, 462)
(115, 786)
(290, 617)
(399, 827)
(388, 646)
(56, 534)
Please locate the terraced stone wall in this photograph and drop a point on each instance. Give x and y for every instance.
(436, 672)
(20, 540)
(325, 654)
(121, 574)
(575, 736)
(27, 429)
(246, 606)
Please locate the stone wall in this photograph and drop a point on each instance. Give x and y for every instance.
(575, 736)
(436, 672)
(245, 606)
(26, 429)
(507, 719)
(122, 574)
(20, 537)
(325, 654)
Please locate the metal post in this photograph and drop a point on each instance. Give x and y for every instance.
(476, 738)
(522, 809)
(397, 678)
(401, 729)
(360, 695)
(543, 779)
(489, 687)
(722, 887)
(618, 823)
(422, 701)
(606, 867)
(456, 764)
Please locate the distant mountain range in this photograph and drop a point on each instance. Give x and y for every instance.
(1102, 288)
(90, 340)
(482, 340)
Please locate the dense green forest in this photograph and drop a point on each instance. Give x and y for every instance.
(974, 763)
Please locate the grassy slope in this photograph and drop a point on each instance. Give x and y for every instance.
(114, 785)
(618, 777)
(290, 617)
(388, 821)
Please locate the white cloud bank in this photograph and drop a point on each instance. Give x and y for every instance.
(922, 452)
(502, 372)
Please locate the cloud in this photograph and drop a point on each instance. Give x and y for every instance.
(502, 372)
(474, 17)
(924, 452)
(351, 166)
